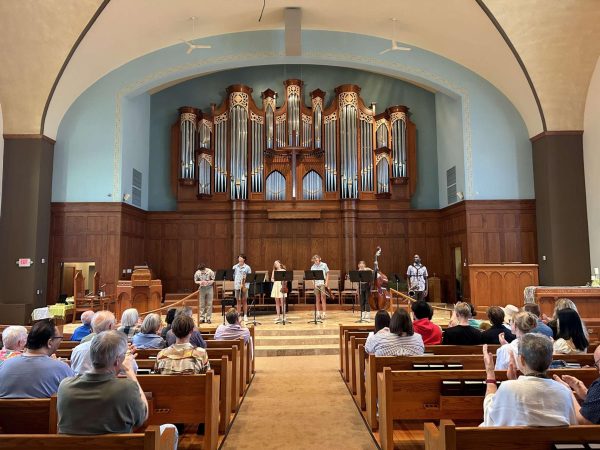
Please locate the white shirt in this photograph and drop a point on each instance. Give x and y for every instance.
(529, 402)
(503, 354)
(564, 347)
(384, 343)
(239, 273)
(81, 361)
(321, 266)
(416, 275)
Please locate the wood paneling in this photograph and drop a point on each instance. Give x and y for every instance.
(501, 284)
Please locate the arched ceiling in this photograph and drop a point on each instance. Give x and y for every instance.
(559, 46)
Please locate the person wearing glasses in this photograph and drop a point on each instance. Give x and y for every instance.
(35, 374)
(588, 412)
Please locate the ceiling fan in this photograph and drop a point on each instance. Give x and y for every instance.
(190, 44)
(395, 46)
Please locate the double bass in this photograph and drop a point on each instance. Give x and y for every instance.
(380, 297)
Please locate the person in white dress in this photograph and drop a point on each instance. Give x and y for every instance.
(276, 292)
(320, 286)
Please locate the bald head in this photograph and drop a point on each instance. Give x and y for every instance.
(86, 317)
(103, 321)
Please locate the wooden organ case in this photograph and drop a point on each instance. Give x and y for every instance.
(293, 153)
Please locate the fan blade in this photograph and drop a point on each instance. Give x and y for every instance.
(385, 51)
(189, 50)
(404, 49)
(202, 46)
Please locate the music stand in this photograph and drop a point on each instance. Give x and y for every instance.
(252, 278)
(361, 276)
(285, 276)
(223, 275)
(314, 275)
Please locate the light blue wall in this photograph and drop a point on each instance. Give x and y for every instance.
(91, 149)
(136, 143)
(201, 92)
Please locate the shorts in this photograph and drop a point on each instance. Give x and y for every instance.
(320, 290)
(238, 294)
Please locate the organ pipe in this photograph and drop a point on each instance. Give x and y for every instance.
(188, 144)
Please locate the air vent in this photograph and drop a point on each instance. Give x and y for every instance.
(136, 188)
(451, 185)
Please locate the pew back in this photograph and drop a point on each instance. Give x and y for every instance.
(28, 415)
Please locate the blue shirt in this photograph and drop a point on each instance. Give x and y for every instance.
(32, 376)
(142, 340)
(81, 332)
(542, 328)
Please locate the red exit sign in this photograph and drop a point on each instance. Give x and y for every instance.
(24, 262)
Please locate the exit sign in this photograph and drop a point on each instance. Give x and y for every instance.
(24, 262)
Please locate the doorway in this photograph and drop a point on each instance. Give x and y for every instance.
(457, 275)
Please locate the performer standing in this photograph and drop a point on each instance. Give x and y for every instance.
(205, 278)
(241, 269)
(276, 292)
(364, 291)
(416, 278)
(320, 285)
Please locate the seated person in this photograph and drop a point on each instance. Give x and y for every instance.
(429, 331)
(14, 339)
(169, 320)
(80, 356)
(521, 324)
(99, 402)
(532, 399)
(382, 320)
(35, 374)
(196, 339)
(462, 333)
(148, 336)
(85, 328)
(233, 329)
(496, 317)
(541, 328)
(589, 410)
(130, 323)
(182, 358)
(561, 303)
(397, 340)
(472, 321)
(570, 336)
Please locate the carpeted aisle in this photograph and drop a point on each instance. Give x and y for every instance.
(298, 402)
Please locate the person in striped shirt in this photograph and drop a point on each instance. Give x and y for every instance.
(397, 340)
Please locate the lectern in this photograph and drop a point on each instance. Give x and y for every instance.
(141, 292)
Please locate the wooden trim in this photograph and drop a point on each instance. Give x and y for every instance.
(543, 134)
(30, 136)
(514, 51)
(68, 59)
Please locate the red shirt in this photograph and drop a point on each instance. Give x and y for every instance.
(431, 333)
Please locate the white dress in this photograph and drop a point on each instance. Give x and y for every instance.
(276, 291)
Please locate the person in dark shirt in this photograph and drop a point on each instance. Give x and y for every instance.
(496, 316)
(463, 333)
(196, 339)
(169, 319)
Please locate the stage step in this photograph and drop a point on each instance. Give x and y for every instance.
(297, 350)
(268, 341)
(289, 330)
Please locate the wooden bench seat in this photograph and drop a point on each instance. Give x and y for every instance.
(419, 395)
(149, 440)
(450, 437)
(28, 415)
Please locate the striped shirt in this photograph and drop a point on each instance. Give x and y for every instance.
(384, 343)
(182, 359)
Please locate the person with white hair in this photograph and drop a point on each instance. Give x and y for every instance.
(86, 326)
(14, 339)
(80, 357)
(100, 402)
(148, 336)
(130, 323)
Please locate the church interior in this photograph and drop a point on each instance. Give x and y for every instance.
(379, 217)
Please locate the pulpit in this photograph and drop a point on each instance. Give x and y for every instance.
(141, 292)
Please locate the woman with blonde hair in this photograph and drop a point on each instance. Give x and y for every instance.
(276, 291)
(521, 324)
(561, 303)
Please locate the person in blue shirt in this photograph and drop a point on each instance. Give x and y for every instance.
(85, 328)
(149, 336)
(541, 327)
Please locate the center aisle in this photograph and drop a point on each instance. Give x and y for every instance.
(298, 402)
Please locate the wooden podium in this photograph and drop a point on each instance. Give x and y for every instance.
(500, 284)
(142, 292)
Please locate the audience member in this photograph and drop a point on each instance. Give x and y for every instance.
(429, 331)
(148, 336)
(521, 324)
(541, 327)
(532, 399)
(130, 323)
(462, 333)
(233, 329)
(80, 356)
(14, 339)
(85, 328)
(382, 322)
(509, 312)
(495, 315)
(561, 303)
(589, 410)
(99, 402)
(475, 323)
(196, 339)
(397, 340)
(182, 358)
(35, 374)
(169, 320)
(570, 336)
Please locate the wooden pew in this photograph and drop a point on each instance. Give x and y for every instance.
(187, 399)
(28, 416)
(348, 334)
(450, 437)
(244, 355)
(343, 343)
(352, 358)
(417, 395)
(149, 440)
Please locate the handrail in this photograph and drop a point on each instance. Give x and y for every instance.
(178, 302)
(412, 300)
